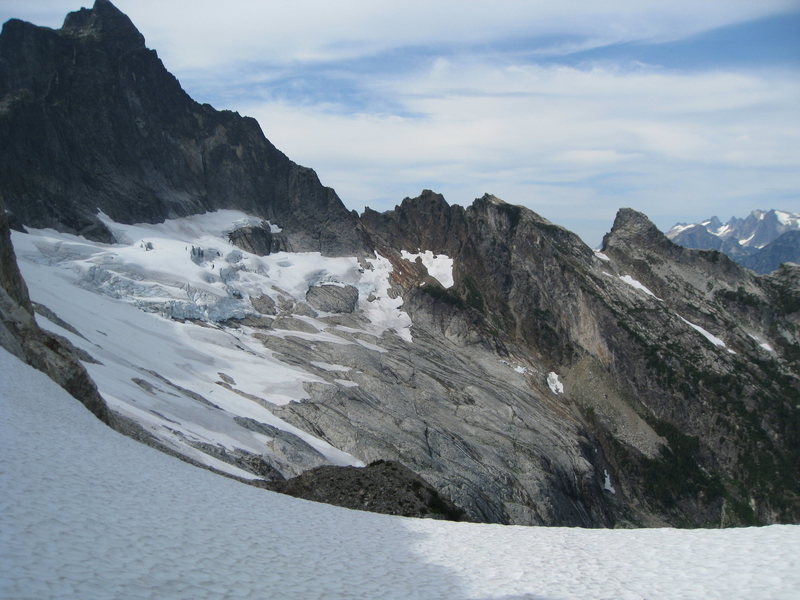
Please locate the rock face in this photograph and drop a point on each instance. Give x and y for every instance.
(333, 298)
(20, 335)
(258, 240)
(91, 120)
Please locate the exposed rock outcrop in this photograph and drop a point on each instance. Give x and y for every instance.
(383, 487)
(258, 240)
(333, 298)
(20, 335)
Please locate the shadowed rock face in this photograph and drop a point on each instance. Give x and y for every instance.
(91, 120)
(20, 335)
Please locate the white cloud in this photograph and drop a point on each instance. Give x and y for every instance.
(558, 139)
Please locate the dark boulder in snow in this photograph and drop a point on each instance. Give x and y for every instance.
(384, 487)
(255, 239)
(264, 305)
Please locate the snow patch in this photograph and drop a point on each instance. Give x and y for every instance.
(601, 256)
(710, 337)
(439, 266)
(554, 384)
(722, 231)
(679, 228)
(522, 370)
(346, 383)
(329, 367)
(376, 300)
(787, 219)
(747, 240)
(762, 344)
(637, 285)
(607, 484)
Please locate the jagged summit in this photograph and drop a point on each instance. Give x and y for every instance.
(104, 20)
(93, 122)
(633, 228)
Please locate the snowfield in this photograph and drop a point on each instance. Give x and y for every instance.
(88, 513)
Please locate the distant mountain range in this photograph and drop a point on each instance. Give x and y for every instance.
(762, 241)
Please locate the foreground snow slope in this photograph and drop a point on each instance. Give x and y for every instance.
(88, 513)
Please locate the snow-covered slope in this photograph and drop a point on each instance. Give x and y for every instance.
(88, 513)
(168, 318)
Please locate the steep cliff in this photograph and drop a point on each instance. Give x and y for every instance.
(91, 120)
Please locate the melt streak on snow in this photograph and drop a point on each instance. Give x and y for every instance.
(88, 513)
(439, 266)
(710, 337)
(638, 285)
(159, 315)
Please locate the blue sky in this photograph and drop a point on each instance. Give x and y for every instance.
(682, 110)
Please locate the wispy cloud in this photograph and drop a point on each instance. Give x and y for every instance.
(559, 139)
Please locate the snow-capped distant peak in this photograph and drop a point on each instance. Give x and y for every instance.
(758, 229)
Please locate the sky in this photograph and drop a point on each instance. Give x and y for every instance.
(680, 109)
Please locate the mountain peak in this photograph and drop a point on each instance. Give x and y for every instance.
(103, 20)
(633, 228)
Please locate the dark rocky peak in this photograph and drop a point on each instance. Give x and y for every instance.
(509, 218)
(105, 21)
(426, 222)
(633, 229)
(93, 121)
